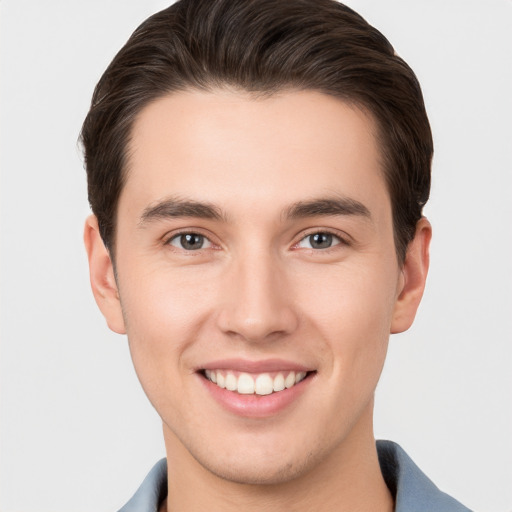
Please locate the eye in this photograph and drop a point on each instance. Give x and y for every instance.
(190, 241)
(319, 240)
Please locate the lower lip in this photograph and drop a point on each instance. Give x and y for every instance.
(256, 406)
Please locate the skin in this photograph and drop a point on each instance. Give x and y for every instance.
(258, 289)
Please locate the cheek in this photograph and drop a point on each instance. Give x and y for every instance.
(359, 297)
(164, 312)
(352, 309)
(157, 297)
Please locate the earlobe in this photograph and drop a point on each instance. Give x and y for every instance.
(414, 275)
(102, 277)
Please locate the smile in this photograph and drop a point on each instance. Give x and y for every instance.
(259, 384)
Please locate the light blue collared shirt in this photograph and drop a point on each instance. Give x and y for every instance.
(413, 491)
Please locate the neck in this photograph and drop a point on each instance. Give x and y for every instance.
(347, 479)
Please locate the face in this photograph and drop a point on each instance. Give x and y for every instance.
(256, 277)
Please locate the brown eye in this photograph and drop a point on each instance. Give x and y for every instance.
(190, 241)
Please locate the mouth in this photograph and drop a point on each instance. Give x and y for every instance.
(262, 384)
(256, 389)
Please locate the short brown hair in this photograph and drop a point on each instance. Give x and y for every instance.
(261, 46)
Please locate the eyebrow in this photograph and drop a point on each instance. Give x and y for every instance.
(328, 207)
(178, 207)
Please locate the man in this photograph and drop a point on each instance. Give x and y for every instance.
(257, 172)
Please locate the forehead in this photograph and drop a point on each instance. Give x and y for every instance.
(223, 145)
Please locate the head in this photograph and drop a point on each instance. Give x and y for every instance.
(257, 170)
(262, 47)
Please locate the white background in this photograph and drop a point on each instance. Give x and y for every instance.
(77, 433)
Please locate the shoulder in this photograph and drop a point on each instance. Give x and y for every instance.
(413, 490)
(151, 492)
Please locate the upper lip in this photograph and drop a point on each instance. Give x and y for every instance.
(262, 366)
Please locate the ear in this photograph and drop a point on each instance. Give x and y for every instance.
(102, 277)
(414, 275)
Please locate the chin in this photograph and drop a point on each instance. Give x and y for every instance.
(274, 471)
(257, 461)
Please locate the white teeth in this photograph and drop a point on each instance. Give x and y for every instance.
(231, 382)
(264, 384)
(300, 376)
(247, 384)
(279, 382)
(221, 381)
(290, 380)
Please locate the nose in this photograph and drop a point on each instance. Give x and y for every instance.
(256, 301)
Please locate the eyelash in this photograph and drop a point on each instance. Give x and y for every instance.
(342, 240)
(176, 236)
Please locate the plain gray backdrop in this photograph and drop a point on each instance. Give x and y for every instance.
(77, 433)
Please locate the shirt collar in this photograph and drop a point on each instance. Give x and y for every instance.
(413, 491)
